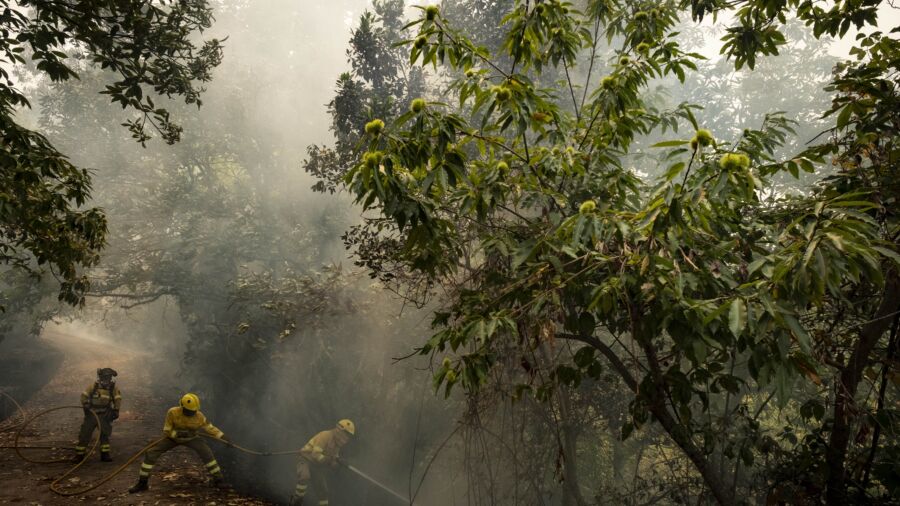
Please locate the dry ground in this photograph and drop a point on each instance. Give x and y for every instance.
(179, 477)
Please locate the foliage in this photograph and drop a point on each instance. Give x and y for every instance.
(518, 200)
(146, 47)
(211, 232)
(382, 85)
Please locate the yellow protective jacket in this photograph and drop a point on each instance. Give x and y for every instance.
(100, 399)
(181, 428)
(324, 447)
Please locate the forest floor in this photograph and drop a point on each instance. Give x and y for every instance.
(179, 477)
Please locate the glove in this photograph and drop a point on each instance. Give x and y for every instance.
(225, 439)
(86, 409)
(113, 414)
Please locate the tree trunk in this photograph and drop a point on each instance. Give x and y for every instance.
(851, 375)
(568, 427)
(679, 434)
(571, 489)
(711, 476)
(882, 390)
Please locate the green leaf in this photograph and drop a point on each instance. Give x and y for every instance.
(523, 252)
(844, 117)
(737, 317)
(756, 264)
(669, 144)
(700, 350)
(798, 330)
(891, 254)
(719, 311)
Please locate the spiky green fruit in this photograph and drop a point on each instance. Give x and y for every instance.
(734, 161)
(375, 127)
(704, 137)
(417, 105)
(502, 92)
(624, 61)
(587, 206)
(373, 159)
(608, 82)
(502, 166)
(431, 12)
(643, 48)
(641, 16)
(420, 42)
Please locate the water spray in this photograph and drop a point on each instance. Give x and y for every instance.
(375, 482)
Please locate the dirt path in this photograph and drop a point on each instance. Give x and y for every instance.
(179, 477)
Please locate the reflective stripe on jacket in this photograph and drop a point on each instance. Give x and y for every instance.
(100, 399)
(186, 427)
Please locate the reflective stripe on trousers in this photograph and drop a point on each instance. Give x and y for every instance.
(145, 470)
(213, 467)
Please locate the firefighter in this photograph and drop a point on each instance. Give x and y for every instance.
(181, 428)
(321, 452)
(103, 398)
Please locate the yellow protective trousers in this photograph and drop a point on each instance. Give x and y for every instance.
(199, 446)
(308, 473)
(87, 430)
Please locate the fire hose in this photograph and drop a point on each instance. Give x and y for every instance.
(21, 426)
(54, 485)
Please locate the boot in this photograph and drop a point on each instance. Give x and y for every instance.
(219, 482)
(296, 500)
(140, 486)
(78, 458)
(104, 456)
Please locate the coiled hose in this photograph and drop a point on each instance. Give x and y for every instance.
(54, 486)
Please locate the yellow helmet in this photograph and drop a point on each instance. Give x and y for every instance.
(190, 401)
(347, 426)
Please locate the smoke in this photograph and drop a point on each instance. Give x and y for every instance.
(197, 226)
(213, 239)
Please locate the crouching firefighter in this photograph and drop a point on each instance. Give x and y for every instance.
(319, 454)
(104, 399)
(181, 428)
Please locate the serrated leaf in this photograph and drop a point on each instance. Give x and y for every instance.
(737, 317)
(798, 330)
(669, 144)
(893, 255)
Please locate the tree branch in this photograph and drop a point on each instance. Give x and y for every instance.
(610, 355)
